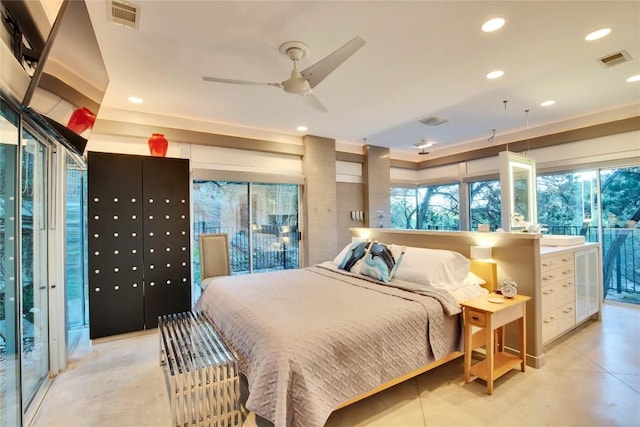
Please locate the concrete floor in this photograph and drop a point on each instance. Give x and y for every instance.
(591, 378)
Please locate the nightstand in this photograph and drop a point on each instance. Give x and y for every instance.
(492, 318)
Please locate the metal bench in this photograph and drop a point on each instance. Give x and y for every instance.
(202, 371)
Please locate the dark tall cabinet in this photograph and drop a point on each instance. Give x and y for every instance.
(139, 241)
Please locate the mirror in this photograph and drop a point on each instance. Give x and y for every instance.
(518, 192)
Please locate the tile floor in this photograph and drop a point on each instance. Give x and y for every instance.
(591, 378)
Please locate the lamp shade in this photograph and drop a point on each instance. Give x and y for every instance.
(481, 252)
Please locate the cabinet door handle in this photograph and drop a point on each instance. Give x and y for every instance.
(547, 278)
(549, 291)
(550, 320)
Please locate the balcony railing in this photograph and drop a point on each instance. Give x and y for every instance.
(271, 249)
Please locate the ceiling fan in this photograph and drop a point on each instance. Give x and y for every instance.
(303, 82)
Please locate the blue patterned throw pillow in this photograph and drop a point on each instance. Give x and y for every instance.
(355, 253)
(381, 261)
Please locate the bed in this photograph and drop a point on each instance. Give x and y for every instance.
(315, 339)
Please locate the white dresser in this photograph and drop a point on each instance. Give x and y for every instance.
(570, 287)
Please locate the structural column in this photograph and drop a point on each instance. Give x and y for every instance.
(377, 186)
(319, 200)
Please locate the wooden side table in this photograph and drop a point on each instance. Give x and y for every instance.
(492, 318)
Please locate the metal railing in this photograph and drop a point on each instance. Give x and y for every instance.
(270, 249)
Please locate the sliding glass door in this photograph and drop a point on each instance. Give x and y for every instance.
(260, 219)
(10, 397)
(35, 280)
(620, 193)
(75, 251)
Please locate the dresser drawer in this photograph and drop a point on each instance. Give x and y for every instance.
(549, 297)
(556, 261)
(549, 326)
(566, 292)
(566, 317)
(477, 318)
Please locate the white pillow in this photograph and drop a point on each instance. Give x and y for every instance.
(439, 268)
(473, 279)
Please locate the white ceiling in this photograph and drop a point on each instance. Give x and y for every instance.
(421, 59)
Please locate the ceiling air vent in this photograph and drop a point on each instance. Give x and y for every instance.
(124, 13)
(433, 121)
(615, 58)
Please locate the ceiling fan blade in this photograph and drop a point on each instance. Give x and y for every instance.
(238, 82)
(321, 69)
(313, 100)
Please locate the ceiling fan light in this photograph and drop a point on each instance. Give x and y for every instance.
(635, 78)
(548, 103)
(134, 100)
(495, 74)
(598, 34)
(492, 25)
(302, 128)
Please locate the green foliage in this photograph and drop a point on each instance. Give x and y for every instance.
(485, 203)
(620, 194)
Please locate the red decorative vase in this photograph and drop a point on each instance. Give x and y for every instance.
(158, 145)
(81, 119)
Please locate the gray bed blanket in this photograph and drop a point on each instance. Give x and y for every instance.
(313, 338)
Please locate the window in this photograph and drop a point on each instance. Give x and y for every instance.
(433, 207)
(439, 207)
(403, 202)
(484, 204)
(563, 205)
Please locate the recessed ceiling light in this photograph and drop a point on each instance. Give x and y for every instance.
(301, 128)
(495, 74)
(492, 25)
(547, 103)
(135, 100)
(635, 78)
(598, 34)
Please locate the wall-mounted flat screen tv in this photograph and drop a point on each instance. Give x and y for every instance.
(70, 80)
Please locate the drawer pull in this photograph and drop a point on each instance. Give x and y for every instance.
(568, 272)
(550, 320)
(567, 285)
(475, 318)
(549, 291)
(567, 259)
(548, 263)
(568, 310)
(547, 278)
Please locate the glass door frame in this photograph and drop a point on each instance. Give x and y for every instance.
(27, 125)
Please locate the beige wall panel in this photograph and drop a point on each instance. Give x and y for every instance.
(377, 184)
(349, 198)
(319, 200)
